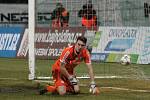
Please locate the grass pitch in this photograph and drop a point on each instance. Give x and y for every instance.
(14, 83)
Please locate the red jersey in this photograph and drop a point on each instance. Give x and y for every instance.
(71, 60)
(90, 22)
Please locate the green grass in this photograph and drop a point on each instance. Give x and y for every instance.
(14, 83)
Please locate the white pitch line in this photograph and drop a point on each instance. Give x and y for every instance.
(3, 78)
(44, 81)
(114, 88)
(125, 89)
(85, 77)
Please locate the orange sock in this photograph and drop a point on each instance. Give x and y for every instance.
(51, 88)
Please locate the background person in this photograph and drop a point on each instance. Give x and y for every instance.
(89, 20)
(60, 16)
(88, 14)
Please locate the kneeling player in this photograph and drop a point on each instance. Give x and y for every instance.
(63, 69)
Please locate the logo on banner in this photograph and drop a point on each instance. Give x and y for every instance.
(99, 56)
(97, 38)
(119, 44)
(9, 41)
(49, 42)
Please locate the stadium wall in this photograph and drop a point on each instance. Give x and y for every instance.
(109, 44)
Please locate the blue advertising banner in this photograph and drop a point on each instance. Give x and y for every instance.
(119, 44)
(10, 40)
(99, 57)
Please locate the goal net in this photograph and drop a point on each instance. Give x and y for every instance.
(118, 31)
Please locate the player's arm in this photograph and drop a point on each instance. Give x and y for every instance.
(90, 71)
(63, 61)
(64, 70)
(87, 60)
(71, 78)
(93, 87)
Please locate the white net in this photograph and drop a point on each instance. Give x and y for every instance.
(50, 40)
(109, 12)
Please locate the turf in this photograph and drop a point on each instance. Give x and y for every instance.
(14, 83)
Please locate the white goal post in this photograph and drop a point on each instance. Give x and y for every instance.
(31, 44)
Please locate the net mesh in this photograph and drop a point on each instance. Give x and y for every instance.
(109, 12)
(114, 13)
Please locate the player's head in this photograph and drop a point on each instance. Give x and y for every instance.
(59, 5)
(80, 44)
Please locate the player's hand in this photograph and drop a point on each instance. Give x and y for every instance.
(93, 88)
(73, 80)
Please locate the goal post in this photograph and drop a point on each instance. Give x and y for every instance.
(31, 35)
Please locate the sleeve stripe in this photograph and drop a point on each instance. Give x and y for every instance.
(89, 56)
(63, 60)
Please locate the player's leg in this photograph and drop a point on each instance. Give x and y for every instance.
(69, 87)
(48, 88)
(73, 89)
(58, 82)
(58, 86)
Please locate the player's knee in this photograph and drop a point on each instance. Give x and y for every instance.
(61, 89)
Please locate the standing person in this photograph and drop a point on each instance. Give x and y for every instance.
(60, 16)
(88, 14)
(63, 69)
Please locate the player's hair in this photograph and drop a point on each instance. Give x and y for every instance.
(82, 38)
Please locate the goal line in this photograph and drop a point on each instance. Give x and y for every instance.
(102, 88)
(83, 77)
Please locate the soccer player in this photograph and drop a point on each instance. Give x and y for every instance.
(63, 69)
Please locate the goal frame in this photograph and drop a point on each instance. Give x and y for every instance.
(31, 35)
(31, 42)
(31, 45)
